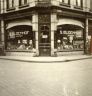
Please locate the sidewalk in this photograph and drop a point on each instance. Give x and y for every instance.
(46, 59)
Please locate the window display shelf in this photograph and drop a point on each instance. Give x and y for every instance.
(20, 51)
(69, 50)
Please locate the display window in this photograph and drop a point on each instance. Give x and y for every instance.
(20, 38)
(67, 40)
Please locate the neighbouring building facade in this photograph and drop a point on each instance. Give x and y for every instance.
(46, 27)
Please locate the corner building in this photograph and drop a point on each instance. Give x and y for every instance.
(46, 27)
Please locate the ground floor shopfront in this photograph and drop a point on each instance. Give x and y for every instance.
(44, 35)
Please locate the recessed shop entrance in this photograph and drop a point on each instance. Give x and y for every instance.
(44, 34)
(44, 41)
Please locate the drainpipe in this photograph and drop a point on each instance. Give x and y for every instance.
(53, 29)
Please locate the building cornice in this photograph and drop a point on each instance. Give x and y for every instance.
(61, 11)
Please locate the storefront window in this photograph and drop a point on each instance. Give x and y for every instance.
(67, 40)
(43, 0)
(20, 38)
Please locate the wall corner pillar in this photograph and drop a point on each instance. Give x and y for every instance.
(35, 29)
(53, 29)
(86, 37)
(2, 33)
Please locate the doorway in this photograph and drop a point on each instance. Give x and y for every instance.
(44, 41)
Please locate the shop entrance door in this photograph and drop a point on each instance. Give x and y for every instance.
(44, 41)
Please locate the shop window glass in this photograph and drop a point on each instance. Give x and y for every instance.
(65, 1)
(78, 3)
(20, 39)
(23, 2)
(10, 4)
(69, 40)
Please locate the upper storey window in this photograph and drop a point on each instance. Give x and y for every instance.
(90, 5)
(23, 2)
(78, 3)
(43, 0)
(67, 2)
(10, 4)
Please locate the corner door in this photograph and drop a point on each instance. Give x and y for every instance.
(44, 41)
(44, 26)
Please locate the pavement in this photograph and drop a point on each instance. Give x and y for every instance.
(46, 59)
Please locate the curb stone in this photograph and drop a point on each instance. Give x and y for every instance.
(36, 61)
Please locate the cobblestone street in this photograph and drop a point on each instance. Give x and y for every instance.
(46, 79)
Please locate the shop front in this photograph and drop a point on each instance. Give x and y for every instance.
(44, 35)
(69, 36)
(19, 37)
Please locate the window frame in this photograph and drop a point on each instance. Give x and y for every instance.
(76, 5)
(15, 32)
(23, 3)
(10, 5)
(63, 2)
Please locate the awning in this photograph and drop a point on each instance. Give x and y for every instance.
(18, 23)
(70, 22)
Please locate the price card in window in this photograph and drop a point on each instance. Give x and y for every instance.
(45, 36)
(30, 41)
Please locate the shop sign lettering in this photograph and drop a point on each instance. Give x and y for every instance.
(17, 34)
(67, 32)
(78, 42)
(22, 33)
(77, 33)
